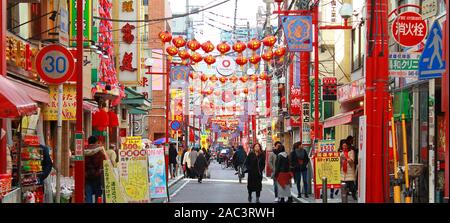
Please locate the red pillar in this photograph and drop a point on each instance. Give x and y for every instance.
(376, 98)
(316, 72)
(3, 6)
(79, 164)
(305, 87)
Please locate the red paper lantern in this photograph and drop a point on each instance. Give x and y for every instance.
(269, 41)
(193, 45)
(184, 54)
(223, 80)
(233, 79)
(223, 47)
(241, 61)
(267, 56)
(280, 52)
(255, 59)
(213, 78)
(239, 47)
(245, 90)
(263, 76)
(191, 88)
(207, 47)
(243, 79)
(165, 36)
(172, 50)
(204, 78)
(209, 59)
(196, 57)
(254, 77)
(113, 119)
(100, 120)
(179, 42)
(254, 44)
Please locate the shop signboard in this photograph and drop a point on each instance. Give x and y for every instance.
(362, 160)
(296, 121)
(298, 32)
(306, 112)
(312, 99)
(329, 88)
(327, 164)
(87, 22)
(69, 103)
(409, 29)
(404, 65)
(133, 170)
(63, 23)
(157, 172)
(351, 91)
(113, 190)
(306, 134)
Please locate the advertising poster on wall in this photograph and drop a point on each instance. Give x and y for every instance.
(113, 190)
(157, 172)
(328, 164)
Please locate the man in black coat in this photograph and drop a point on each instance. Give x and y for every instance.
(299, 162)
(173, 153)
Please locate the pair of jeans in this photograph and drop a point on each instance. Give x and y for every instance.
(93, 188)
(298, 175)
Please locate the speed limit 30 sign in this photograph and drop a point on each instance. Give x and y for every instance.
(55, 64)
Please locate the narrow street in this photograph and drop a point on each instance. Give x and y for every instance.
(223, 187)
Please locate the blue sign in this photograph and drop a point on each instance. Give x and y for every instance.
(298, 32)
(175, 125)
(431, 64)
(179, 73)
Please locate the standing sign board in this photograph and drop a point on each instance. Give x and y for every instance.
(362, 160)
(403, 65)
(157, 172)
(327, 164)
(113, 190)
(55, 64)
(133, 170)
(409, 29)
(431, 63)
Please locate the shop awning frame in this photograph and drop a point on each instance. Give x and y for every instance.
(14, 102)
(342, 118)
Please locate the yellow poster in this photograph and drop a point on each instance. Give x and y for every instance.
(133, 169)
(328, 165)
(113, 190)
(203, 142)
(69, 103)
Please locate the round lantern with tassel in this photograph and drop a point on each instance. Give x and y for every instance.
(172, 51)
(255, 59)
(279, 53)
(223, 80)
(241, 61)
(233, 79)
(254, 45)
(223, 48)
(245, 91)
(213, 78)
(209, 59)
(269, 41)
(165, 36)
(196, 57)
(207, 47)
(239, 47)
(254, 77)
(184, 55)
(243, 79)
(193, 45)
(203, 78)
(179, 42)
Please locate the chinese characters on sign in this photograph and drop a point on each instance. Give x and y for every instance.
(329, 89)
(296, 101)
(20, 53)
(305, 112)
(69, 104)
(409, 29)
(128, 37)
(127, 6)
(127, 63)
(351, 91)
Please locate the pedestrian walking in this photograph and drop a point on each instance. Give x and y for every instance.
(187, 162)
(239, 158)
(255, 164)
(299, 162)
(200, 165)
(172, 161)
(272, 161)
(193, 156)
(94, 156)
(351, 146)
(283, 176)
(334, 192)
(348, 168)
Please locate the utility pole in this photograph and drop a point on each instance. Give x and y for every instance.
(234, 22)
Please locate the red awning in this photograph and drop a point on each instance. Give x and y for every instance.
(36, 94)
(342, 119)
(14, 102)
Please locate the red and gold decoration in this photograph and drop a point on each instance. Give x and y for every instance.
(203, 78)
(267, 56)
(210, 60)
(269, 41)
(127, 63)
(172, 51)
(193, 45)
(179, 42)
(184, 55)
(127, 6)
(255, 59)
(213, 78)
(253, 77)
(165, 36)
(233, 79)
(279, 53)
(223, 80)
(208, 47)
(241, 61)
(128, 37)
(196, 57)
(223, 48)
(254, 45)
(243, 79)
(239, 47)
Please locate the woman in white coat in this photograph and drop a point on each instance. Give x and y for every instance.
(348, 170)
(187, 162)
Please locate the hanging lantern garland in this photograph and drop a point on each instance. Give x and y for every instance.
(208, 47)
(241, 61)
(254, 45)
(269, 41)
(255, 59)
(193, 45)
(179, 42)
(196, 57)
(184, 55)
(172, 51)
(279, 53)
(239, 47)
(223, 48)
(165, 36)
(209, 59)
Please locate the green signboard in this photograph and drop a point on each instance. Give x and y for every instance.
(87, 21)
(403, 64)
(320, 99)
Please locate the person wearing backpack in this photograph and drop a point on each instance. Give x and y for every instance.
(299, 162)
(94, 156)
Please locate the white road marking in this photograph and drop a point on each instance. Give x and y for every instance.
(181, 187)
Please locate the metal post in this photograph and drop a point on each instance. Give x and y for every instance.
(166, 149)
(431, 145)
(59, 143)
(79, 163)
(344, 196)
(324, 190)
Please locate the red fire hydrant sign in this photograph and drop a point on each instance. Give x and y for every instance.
(409, 29)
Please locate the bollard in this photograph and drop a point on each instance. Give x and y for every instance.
(344, 196)
(324, 190)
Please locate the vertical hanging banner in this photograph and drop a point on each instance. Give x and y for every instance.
(298, 32)
(179, 75)
(312, 99)
(129, 60)
(133, 170)
(63, 23)
(362, 160)
(157, 172)
(87, 22)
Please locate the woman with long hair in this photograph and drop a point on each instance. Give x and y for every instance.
(348, 171)
(255, 163)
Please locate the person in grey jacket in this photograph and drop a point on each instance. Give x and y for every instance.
(193, 155)
(272, 162)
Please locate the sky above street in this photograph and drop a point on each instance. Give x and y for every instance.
(246, 9)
